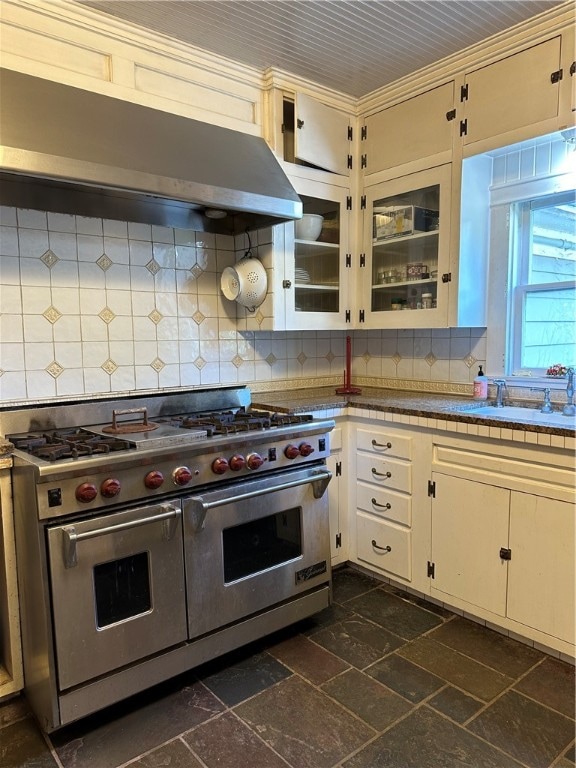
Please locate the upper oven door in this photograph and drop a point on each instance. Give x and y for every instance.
(254, 544)
(117, 589)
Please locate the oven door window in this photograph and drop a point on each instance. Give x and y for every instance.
(261, 544)
(122, 589)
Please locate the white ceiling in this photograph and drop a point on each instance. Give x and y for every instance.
(352, 46)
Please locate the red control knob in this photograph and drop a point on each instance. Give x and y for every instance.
(86, 492)
(110, 488)
(181, 475)
(237, 462)
(305, 449)
(254, 461)
(220, 465)
(154, 479)
(291, 451)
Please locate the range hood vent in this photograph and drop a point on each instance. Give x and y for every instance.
(67, 150)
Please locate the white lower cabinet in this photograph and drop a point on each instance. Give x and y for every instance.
(503, 536)
(383, 500)
(337, 498)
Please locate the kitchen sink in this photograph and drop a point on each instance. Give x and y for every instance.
(519, 413)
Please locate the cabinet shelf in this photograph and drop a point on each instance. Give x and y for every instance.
(316, 287)
(315, 248)
(403, 283)
(382, 244)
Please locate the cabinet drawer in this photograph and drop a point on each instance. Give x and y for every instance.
(384, 503)
(373, 539)
(385, 472)
(384, 443)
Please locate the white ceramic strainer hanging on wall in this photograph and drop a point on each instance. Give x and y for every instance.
(246, 282)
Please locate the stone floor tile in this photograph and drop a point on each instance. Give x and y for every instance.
(455, 704)
(551, 683)
(174, 754)
(439, 610)
(395, 614)
(234, 681)
(374, 703)
(461, 671)
(348, 583)
(410, 681)
(22, 746)
(357, 641)
(528, 731)
(425, 739)
(130, 728)
(497, 651)
(227, 742)
(306, 727)
(308, 659)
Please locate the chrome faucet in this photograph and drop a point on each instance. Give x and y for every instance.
(569, 409)
(546, 405)
(500, 387)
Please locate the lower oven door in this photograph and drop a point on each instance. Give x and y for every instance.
(117, 589)
(254, 544)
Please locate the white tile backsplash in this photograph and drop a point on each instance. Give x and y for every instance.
(90, 305)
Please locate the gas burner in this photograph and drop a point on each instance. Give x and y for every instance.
(67, 444)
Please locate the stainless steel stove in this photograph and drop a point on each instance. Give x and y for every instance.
(156, 533)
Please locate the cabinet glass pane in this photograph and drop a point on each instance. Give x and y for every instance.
(317, 259)
(405, 230)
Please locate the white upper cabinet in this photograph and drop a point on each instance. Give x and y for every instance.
(519, 92)
(321, 136)
(420, 127)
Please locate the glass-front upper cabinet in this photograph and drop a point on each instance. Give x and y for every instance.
(406, 236)
(315, 253)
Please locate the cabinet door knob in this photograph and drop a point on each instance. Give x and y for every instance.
(382, 549)
(385, 475)
(386, 446)
(382, 506)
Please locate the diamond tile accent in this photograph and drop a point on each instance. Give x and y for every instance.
(109, 366)
(155, 316)
(153, 267)
(396, 358)
(1, 372)
(196, 271)
(54, 369)
(104, 262)
(469, 360)
(107, 315)
(52, 315)
(157, 364)
(198, 317)
(302, 358)
(430, 358)
(237, 361)
(330, 356)
(199, 363)
(366, 357)
(271, 359)
(259, 317)
(49, 258)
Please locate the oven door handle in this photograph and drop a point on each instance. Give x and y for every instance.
(319, 481)
(70, 538)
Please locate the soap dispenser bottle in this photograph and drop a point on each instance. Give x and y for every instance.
(481, 386)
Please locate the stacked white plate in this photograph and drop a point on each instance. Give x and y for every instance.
(301, 276)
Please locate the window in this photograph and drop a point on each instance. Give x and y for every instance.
(542, 298)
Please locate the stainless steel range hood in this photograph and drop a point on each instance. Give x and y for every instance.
(67, 150)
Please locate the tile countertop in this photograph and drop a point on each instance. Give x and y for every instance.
(449, 408)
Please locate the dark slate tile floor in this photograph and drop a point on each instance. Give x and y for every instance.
(381, 679)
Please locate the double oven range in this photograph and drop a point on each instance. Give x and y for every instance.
(167, 532)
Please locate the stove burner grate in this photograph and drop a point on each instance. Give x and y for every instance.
(67, 444)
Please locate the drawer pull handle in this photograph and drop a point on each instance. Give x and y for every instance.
(385, 475)
(382, 506)
(382, 549)
(386, 446)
